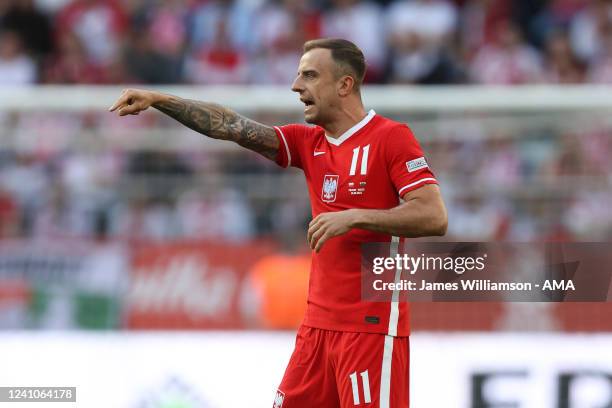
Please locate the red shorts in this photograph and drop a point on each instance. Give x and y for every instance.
(331, 369)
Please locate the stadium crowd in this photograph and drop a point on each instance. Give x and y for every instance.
(525, 186)
(259, 41)
(517, 185)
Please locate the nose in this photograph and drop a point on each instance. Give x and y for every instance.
(297, 85)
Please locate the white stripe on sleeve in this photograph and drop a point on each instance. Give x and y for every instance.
(286, 145)
(415, 183)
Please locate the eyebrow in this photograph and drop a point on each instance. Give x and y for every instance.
(308, 71)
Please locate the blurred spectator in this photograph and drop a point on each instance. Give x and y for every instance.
(282, 27)
(571, 159)
(502, 165)
(83, 193)
(552, 16)
(167, 25)
(16, 67)
(149, 220)
(418, 32)
(235, 215)
(589, 217)
(433, 21)
(525, 14)
(600, 71)
(51, 6)
(597, 146)
(290, 217)
(229, 20)
(507, 60)
(218, 62)
(54, 220)
(362, 23)
(146, 64)
(71, 65)
(587, 28)
(562, 65)
(9, 215)
(472, 218)
(221, 34)
(32, 25)
(226, 215)
(27, 195)
(563, 11)
(165, 173)
(98, 24)
(479, 19)
(157, 42)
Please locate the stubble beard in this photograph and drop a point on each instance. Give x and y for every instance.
(317, 118)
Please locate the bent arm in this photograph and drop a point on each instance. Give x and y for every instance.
(422, 214)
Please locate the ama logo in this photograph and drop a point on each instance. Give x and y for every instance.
(278, 399)
(330, 187)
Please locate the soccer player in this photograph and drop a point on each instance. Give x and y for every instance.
(348, 352)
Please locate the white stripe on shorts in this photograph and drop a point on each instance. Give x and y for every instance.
(394, 305)
(385, 374)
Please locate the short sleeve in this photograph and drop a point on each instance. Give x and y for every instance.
(408, 167)
(291, 140)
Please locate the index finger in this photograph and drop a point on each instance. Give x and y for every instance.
(119, 102)
(321, 241)
(311, 230)
(316, 219)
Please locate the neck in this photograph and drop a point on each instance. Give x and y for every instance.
(346, 119)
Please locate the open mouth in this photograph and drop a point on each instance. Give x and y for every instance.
(307, 102)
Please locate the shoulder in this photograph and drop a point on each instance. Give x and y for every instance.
(397, 138)
(300, 129)
(295, 135)
(389, 128)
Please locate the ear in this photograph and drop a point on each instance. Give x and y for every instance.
(345, 85)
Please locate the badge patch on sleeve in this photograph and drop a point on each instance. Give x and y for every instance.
(416, 164)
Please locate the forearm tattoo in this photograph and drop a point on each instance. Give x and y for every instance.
(215, 121)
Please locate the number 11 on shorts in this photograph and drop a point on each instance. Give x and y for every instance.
(365, 380)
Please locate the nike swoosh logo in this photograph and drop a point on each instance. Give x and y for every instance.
(318, 153)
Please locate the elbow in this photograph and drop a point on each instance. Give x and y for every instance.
(442, 227)
(440, 224)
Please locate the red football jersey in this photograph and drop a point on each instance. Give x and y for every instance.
(371, 165)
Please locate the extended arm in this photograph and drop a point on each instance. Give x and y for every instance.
(422, 214)
(210, 119)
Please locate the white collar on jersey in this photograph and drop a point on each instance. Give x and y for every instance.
(338, 141)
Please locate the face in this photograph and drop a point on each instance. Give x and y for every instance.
(317, 85)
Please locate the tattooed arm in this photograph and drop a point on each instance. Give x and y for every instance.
(209, 119)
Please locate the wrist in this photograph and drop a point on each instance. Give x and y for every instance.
(158, 97)
(359, 218)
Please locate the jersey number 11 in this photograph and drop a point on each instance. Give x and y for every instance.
(364, 160)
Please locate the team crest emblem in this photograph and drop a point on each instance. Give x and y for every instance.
(278, 400)
(330, 187)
